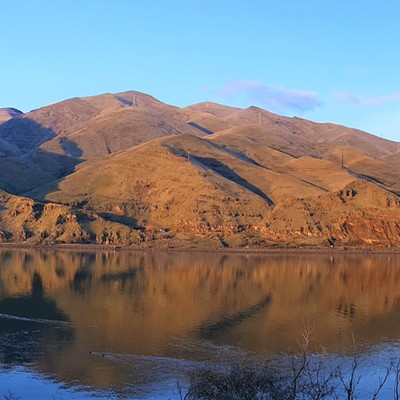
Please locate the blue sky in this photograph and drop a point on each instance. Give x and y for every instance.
(324, 60)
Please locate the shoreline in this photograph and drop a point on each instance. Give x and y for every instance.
(276, 250)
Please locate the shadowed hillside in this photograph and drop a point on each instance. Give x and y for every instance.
(132, 170)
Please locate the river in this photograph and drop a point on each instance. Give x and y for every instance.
(130, 325)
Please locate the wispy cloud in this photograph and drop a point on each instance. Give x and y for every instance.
(366, 100)
(272, 97)
(358, 70)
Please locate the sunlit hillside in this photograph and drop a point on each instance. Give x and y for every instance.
(127, 169)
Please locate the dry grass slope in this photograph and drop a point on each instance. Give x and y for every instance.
(128, 169)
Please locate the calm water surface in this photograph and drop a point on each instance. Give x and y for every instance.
(116, 325)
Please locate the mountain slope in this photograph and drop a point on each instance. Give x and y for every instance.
(29, 131)
(322, 136)
(192, 188)
(118, 129)
(155, 185)
(128, 169)
(52, 140)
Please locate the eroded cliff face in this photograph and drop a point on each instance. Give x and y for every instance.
(23, 220)
(360, 214)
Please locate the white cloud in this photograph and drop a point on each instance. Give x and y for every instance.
(366, 100)
(272, 97)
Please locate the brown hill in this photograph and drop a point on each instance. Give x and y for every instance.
(30, 130)
(46, 144)
(128, 169)
(154, 187)
(218, 110)
(321, 136)
(192, 188)
(118, 129)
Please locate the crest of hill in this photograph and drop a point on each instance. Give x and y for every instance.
(299, 158)
(120, 128)
(208, 117)
(29, 131)
(393, 159)
(218, 110)
(214, 118)
(248, 135)
(46, 144)
(8, 113)
(206, 122)
(360, 164)
(323, 135)
(293, 158)
(6, 148)
(337, 135)
(324, 174)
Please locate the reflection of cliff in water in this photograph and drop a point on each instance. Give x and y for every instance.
(35, 305)
(223, 326)
(143, 303)
(28, 322)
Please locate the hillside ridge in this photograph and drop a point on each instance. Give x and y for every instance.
(127, 169)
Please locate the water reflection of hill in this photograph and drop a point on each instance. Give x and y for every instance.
(27, 324)
(35, 305)
(141, 303)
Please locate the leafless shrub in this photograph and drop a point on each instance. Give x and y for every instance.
(351, 380)
(11, 396)
(304, 377)
(396, 367)
(248, 382)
